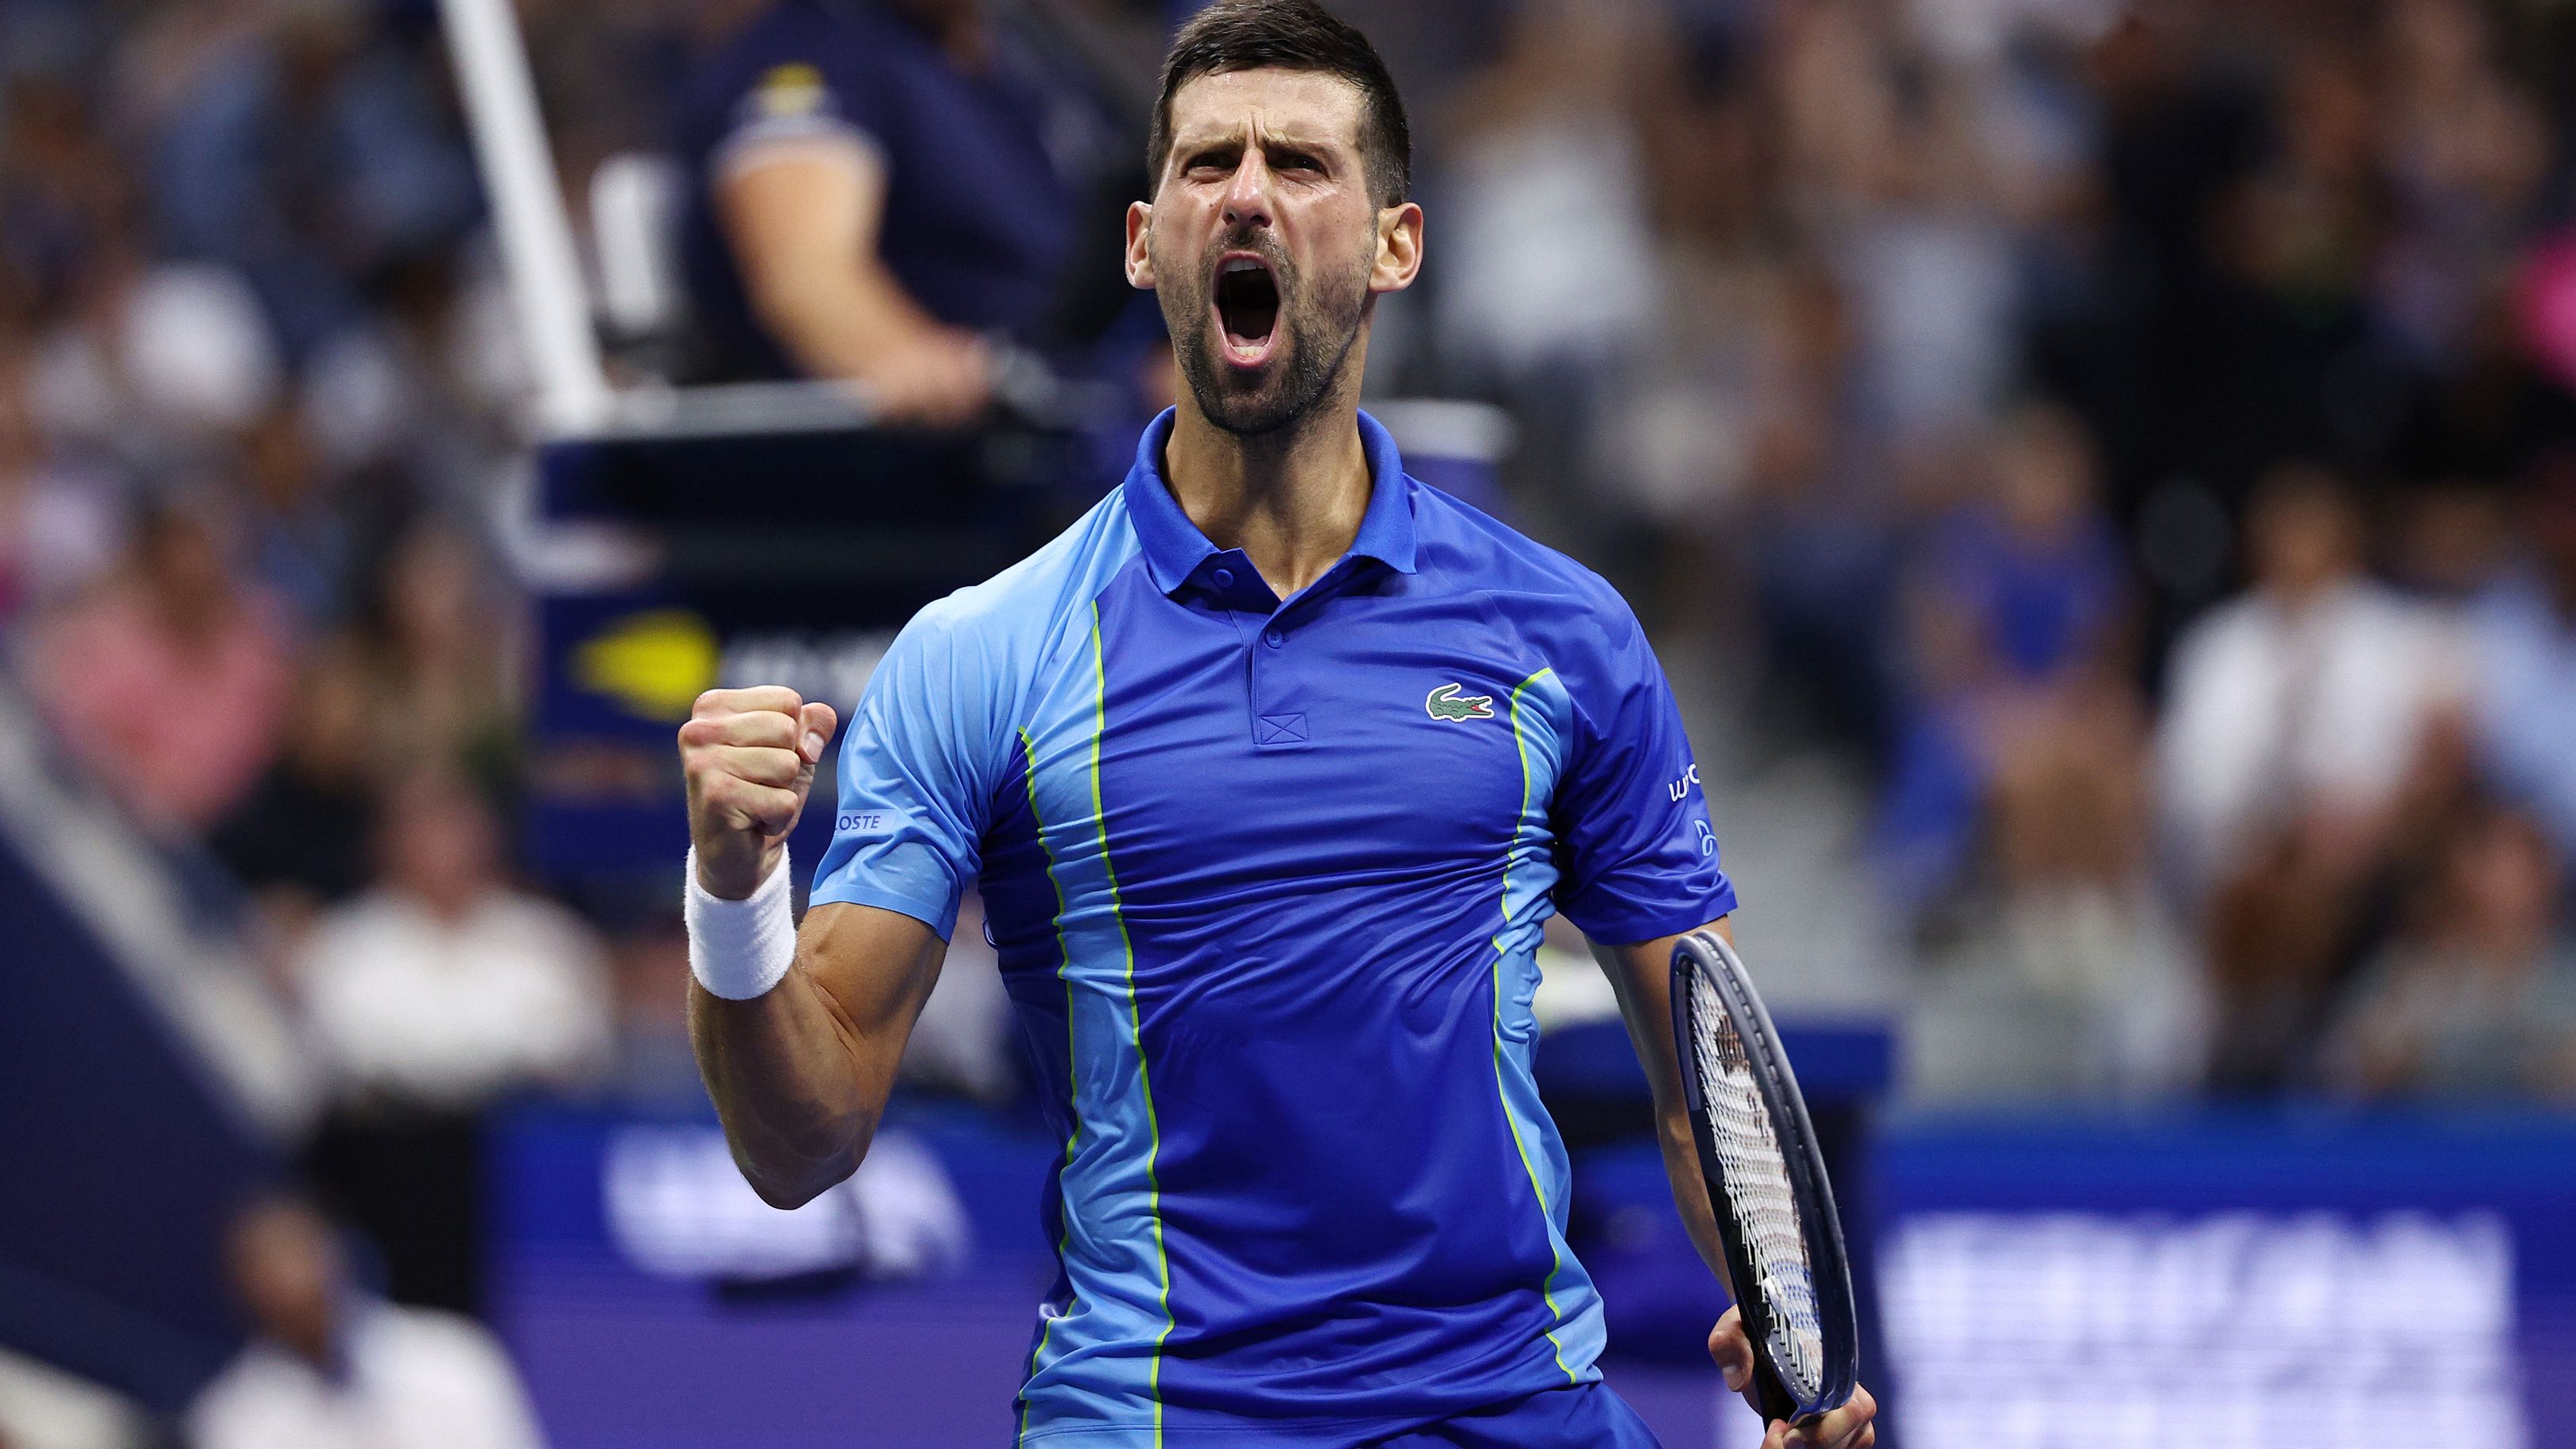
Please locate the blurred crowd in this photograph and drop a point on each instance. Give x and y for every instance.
(2136, 438)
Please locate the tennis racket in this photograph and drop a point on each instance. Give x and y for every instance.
(1766, 1185)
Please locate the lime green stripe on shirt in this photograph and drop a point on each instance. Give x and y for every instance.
(1135, 1021)
(1072, 1064)
(1502, 953)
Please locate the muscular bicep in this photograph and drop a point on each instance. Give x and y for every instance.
(874, 967)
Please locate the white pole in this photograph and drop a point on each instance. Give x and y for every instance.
(527, 203)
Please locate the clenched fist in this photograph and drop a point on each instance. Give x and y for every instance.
(749, 757)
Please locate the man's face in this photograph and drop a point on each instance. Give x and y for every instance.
(438, 845)
(287, 1269)
(1264, 244)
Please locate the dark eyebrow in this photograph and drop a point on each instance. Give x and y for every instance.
(1191, 149)
(1310, 150)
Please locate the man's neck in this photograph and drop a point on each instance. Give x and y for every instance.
(1292, 500)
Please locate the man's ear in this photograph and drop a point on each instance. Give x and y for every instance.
(1399, 248)
(1140, 253)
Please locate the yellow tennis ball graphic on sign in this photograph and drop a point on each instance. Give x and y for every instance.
(655, 663)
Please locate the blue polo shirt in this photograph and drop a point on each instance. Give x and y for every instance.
(979, 215)
(1267, 880)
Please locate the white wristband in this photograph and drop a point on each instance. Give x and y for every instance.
(740, 949)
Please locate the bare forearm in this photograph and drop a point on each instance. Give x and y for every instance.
(840, 319)
(1640, 975)
(798, 1064)
(791, 1084)
(1690, 1192)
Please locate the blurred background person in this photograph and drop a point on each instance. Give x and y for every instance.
(298, 143)
(2099, 475)
(443, 985)
(21, 461)
(301, 840)
(876, 186)
(172, 679)
(1546, 201)
(2523, 633)
(2017, 824)
(434, 654)
(307, 826)
(332, 1366)
(2476, 995)
(2017, 648)
(2307, 723)
(437, 994)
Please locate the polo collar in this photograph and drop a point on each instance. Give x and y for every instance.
(1174, 548)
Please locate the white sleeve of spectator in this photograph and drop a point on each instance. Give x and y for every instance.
(740, 949)
(751, 148)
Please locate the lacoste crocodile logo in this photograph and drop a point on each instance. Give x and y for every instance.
(1447, 703)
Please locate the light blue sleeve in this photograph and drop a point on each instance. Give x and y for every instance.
(917, 772)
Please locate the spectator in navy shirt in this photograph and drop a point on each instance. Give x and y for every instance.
(875, 195)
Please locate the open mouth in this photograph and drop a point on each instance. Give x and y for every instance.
(1247, 308)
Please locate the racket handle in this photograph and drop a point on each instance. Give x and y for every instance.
(1770, 1398)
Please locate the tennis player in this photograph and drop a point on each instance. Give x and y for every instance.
(1271, 769)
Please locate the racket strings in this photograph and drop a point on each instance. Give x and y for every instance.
(1758, 1193)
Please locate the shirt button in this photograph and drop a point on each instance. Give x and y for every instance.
(1273, 638)
(1223, 578)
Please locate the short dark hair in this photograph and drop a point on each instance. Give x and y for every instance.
(1233, 35)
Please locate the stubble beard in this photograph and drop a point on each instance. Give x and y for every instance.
(1321, 326)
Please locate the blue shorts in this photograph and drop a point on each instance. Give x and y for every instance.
(1581, 1416)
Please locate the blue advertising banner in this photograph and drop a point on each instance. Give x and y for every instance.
(2325, 1280)
(2332, 1282)
(655, 1303)
(652, 1302)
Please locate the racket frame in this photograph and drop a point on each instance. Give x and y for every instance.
(1828, 1267)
